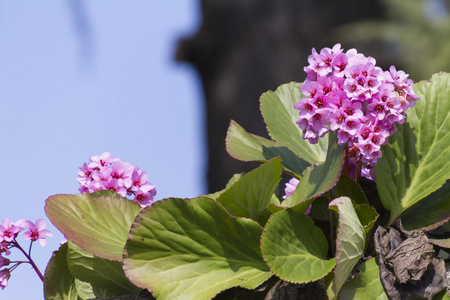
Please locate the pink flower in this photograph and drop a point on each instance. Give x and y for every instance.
(348, 93)
(36, 232)
(290, 187)
(103, 172)
(113, 185)
(102, 160)
(122, 172)
(145, 198)
(4, 276)
(9, 230)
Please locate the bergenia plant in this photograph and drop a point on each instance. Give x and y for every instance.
(9, 231)
(365, 214)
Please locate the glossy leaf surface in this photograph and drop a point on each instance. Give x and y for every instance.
(101, 272)
(415, 162)
(59, 284)
(99, 225)
(252, 193)
(349, 241)
(320, 178)
(280, 115)
(193, 249)
(366, 285)
(250, 147)
(294, 248)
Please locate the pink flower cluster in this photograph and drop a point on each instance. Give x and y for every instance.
(8, 234)
(104, 172)
(348, 93)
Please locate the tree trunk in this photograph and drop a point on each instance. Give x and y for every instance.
(244, 48)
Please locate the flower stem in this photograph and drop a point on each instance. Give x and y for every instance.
(16, 244)
(333, 250)
(358, 172)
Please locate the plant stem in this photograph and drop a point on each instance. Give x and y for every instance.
(345, 168)
(333, 250)
(16, 244)
(358, 172)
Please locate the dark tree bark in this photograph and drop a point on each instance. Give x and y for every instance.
(244, 48)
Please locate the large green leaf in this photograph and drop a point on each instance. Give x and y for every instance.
(429, 213)
(349, 241)
(347, 187)
(193, 249)
(101, 272)
(367, 285)
(250, 147)
(252, 193)
(87, 291)
(367, 216)
(415, 162)
(232, 181)
(280, 116)
(59, 284)
(294, 248)
(320, 178)
(99, 225)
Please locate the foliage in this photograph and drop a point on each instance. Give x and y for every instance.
(247, 238)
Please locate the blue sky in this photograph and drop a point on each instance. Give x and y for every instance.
(78, 80)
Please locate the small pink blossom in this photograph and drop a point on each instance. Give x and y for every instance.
(4, 277)
(290, 187)
(36, 232)
(144, 198)
(9, 230)
(103, 172)
(102, 160)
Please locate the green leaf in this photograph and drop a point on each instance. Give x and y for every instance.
(101, 272)
(320, 178)
(280, 116)
(268, 212)
(429, 213)
(251, 194)
(367, 285)
(349, 242)
(232, 180)
(329, 285)
(193, 249)
(88, 290)
(319, 209)
(347, 187)
(249, 147)
(415, 162)
(442, 295)
(98, 225)
(444, 243)
(294, 248)
(367, 216)
(58, 281)
(105, 193)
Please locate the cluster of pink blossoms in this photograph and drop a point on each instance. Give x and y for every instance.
(8, 234)
(348, 93)
(104, 172)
